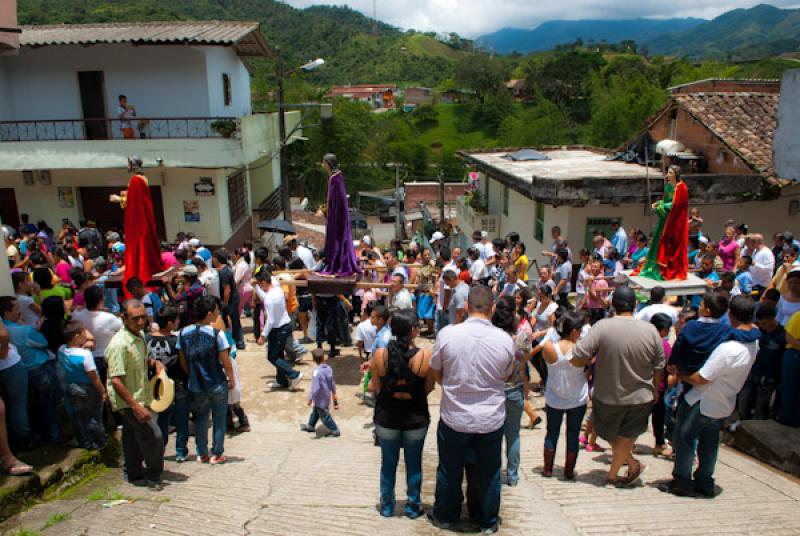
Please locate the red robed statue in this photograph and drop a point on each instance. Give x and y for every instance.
(142, 252)
(673, 255)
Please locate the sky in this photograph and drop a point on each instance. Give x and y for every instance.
(472, 18)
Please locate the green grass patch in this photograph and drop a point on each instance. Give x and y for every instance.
(107, 495)
(424, 45)
(55, 519)
(25, 532)
(450, 135)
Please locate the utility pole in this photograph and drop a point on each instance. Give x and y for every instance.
(397, 233)
(441, 200)
(286, 204)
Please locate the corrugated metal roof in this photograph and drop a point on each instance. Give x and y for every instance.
(244, 36)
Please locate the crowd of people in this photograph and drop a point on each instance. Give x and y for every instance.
(606, 359)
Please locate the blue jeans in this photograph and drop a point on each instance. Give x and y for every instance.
(87, 415)
(442, 319)
(180, 411)
(412, 443)
(453, 447)
(45, 392)
(515, 404)
(323, 415)
(14, 383)
(574, 420)
(214, 401)
(693, 428)
(276, 343)
(790, 388)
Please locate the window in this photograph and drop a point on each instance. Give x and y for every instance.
(226, 89)
(538, 230)
(237, 197)
(505, 200)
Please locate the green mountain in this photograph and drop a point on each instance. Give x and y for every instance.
(741, 34)
(356, 49)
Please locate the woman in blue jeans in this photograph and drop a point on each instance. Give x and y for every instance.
(567, 393)
(505, 318)
(401, 380)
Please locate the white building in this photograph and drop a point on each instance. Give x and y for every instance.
(210, 161)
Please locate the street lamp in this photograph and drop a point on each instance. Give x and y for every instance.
(286, 204)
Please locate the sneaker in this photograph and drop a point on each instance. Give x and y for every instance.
(436, 522)
(203, 459)
(218, 460)
(733, 426)
(154, 485)
(243, 428)
(491, 530)
(335, 433)
(594, 447)
(307, 428)
(675, 489)
(296, 381)
(274, 386)
(180, 458)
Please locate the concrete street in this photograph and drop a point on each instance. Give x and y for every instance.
(279, 480)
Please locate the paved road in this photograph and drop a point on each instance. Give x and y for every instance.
(282, 481)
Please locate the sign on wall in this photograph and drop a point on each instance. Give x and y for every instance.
(66, 197)
(191, 211)
(204, 188)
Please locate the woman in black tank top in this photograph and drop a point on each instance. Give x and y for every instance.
(401, 378)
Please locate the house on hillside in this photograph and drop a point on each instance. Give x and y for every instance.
(378, 96)
(517, 88)
(210, 161)
(417, 96)
(722, 132)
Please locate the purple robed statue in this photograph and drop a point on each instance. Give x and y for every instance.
(340, 254)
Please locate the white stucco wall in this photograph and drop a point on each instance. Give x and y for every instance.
(177, 185)
(160, 81)
(786, 147)
(221, 60)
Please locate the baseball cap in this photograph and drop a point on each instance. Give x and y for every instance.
(367, 240)
(189, 270)
(484, 234)
(437, 236)
(194, 242)
(288, 239)
(703, 239)
(449, 270)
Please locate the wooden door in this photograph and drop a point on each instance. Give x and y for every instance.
(8, 207)
(109, 216)
(92, 88)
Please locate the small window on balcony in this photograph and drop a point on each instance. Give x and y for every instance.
(237, 197)
(226, 89)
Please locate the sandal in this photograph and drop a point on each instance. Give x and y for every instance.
(632, 476)
(17, 468)
(534, 424)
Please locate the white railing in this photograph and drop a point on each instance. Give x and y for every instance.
(467, 217)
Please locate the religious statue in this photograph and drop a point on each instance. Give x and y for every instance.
(339, 250)
(667, 258)
(142, 252)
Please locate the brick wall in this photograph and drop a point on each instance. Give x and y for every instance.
(695, 136)
(429, 193)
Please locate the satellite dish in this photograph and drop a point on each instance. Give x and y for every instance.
(669, 147)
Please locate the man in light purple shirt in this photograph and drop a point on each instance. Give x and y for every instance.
(472, 361)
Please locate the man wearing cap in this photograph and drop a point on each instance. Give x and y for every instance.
(628, 373)
(437, 241)
(129, 394)
(200, 251)
(192, 290)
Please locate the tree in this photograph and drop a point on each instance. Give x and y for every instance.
(482, 74)
(542, 124)
(425, 117)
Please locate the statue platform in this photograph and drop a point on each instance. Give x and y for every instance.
(690, 286)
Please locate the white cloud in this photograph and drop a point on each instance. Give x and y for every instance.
(476, 17)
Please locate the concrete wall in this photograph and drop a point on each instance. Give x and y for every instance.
(695, 136)
(221, 60)
(160, 81)
(177, 185)
(428, 192)
(786, 147)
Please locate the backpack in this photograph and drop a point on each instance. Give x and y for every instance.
(202, 357)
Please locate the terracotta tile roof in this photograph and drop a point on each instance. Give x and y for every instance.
(244, 36)
(745, 122)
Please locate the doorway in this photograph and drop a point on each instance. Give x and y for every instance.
(92, 87)
(109, 216)
(8, 207)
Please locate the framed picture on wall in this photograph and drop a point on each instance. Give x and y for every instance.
(66, 197)
(27, 178)
(191, 211)
(44, 177)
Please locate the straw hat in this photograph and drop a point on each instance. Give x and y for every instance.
(164, 394)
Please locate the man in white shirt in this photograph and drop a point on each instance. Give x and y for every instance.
(471, 361)
(300, 251)
(763, 266)
(277, 330)
(705, 407)
(657, 305)
(401, 297)
(209, 277)
(477, 270)
(100, 323)
(443, 291)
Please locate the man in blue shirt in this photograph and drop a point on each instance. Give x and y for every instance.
(42, 381)
(384, 335)
(620, 239)
(709, 275)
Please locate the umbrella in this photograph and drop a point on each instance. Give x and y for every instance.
(277, 226)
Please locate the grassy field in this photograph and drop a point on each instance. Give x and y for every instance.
(450, 133)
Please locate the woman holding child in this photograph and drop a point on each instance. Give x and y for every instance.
(401, 379)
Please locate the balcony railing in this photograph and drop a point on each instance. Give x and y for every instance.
(112, 129)
(467, 217)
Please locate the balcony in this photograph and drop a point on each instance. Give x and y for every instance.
(111, 129)
(469, 220)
